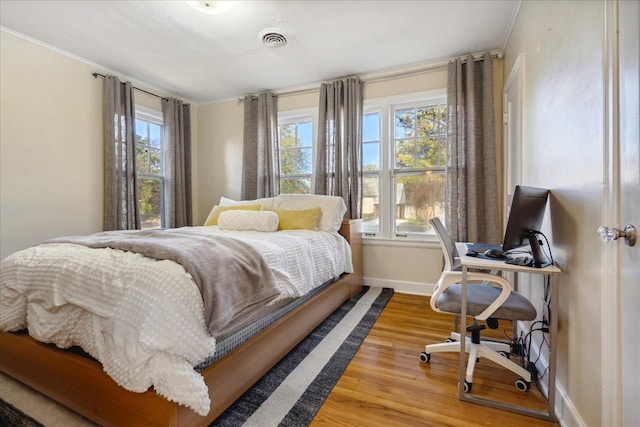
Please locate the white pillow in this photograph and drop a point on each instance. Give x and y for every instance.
(248, 220)
(333, 208)
(266, 203)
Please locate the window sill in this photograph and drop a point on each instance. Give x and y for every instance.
(428, 243)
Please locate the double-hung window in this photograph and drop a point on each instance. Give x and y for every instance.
(150, 167)
(296, 132)
(404, 155)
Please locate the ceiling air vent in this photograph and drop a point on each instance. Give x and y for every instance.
(273, 38)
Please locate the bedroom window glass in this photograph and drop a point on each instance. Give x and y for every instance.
(296, 154)
(371, 171)
(404, 157)
(150, 167)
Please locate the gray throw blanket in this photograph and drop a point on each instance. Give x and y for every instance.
(233, 277)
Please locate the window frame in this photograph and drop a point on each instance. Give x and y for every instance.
(295, 117)
(386, 107)
(156, 117)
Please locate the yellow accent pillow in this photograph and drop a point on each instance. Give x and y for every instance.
(212, 219)
(298, 219)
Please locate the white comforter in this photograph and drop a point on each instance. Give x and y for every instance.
(143, 318)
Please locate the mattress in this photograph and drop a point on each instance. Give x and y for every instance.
(234, 339)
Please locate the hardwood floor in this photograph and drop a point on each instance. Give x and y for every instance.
(386, 384)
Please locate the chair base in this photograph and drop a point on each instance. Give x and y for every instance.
(497, 352)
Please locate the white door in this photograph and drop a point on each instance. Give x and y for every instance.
(630, 207)
(621, 292)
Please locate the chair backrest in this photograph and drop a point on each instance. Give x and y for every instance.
(447, 245)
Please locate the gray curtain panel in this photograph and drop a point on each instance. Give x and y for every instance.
(177, 140)
(120, 186)
(261, 149)
(339, 155)
(472, 189)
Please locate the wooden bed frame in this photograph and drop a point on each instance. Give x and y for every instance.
(80, 383)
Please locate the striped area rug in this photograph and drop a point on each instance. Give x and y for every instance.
(291, 393)
(10, 416)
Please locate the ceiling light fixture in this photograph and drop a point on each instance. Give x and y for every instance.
(211, 7)
(272, 37)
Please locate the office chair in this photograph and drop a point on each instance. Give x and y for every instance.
(496, 300)
(452, 263)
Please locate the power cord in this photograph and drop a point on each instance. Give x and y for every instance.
(526, 357)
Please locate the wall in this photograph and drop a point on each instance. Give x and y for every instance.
(51, 132)
(51, 173)
(409, 268)
(561, 43)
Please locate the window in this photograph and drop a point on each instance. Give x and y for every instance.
(150, 167)
(404, 155)
(296, 153)
(371, 171)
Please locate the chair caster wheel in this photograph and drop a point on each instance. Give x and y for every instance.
(522, 385)
(425, 357)
(467, 386)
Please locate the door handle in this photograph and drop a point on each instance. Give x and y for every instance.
(630, 234)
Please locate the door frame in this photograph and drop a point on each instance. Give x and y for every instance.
(512, 116)
(610, 332)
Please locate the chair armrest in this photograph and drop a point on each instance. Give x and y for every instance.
(449, 278)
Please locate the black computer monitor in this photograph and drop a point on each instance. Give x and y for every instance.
(525, 220)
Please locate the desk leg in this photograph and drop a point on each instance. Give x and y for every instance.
(463, 335)
(553, 337)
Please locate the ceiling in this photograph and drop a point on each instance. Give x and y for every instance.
(206, 58)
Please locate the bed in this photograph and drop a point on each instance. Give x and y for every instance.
(79, 382)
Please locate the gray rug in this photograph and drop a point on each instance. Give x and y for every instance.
(10, 416)
(307, 405)
(315, 366)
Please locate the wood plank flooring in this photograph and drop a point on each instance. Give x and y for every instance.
(386, 384)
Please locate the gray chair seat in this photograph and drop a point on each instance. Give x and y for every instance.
(516, 307)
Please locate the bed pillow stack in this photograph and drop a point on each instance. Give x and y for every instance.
(294, 212)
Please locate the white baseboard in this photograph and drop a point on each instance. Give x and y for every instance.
(414, 288)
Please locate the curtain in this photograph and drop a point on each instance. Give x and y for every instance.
(261, 149)
(471, 189)
(177, 140)
(120, 186)
(339, 158)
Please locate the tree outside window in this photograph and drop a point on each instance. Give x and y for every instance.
(296, 156)
(420, 156)
(150, 170)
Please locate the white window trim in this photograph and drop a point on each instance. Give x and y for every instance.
(383, 105)
(149, 114)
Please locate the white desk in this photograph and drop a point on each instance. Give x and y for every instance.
(487, 264)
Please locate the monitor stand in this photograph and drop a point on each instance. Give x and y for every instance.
(540, 260)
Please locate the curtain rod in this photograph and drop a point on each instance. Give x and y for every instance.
(96, 75)
(427, 68)
(390, 76)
